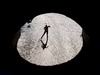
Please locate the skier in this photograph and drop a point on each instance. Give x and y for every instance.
(44, 45)
(45, 31)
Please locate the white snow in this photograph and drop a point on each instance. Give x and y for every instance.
(64, 40)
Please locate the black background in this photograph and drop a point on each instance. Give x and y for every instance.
(15, 14)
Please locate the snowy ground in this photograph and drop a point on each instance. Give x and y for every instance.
(64, 40)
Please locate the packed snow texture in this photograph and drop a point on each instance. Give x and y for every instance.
(64, 40)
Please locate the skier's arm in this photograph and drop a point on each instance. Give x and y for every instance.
(48, 26)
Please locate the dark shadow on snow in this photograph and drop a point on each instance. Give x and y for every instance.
(44, 45)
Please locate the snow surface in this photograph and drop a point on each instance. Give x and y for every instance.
(64, 40)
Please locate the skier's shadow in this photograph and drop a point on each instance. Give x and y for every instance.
(44, 45)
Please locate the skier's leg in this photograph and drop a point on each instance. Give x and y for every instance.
(47, 38)
(43, 34)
